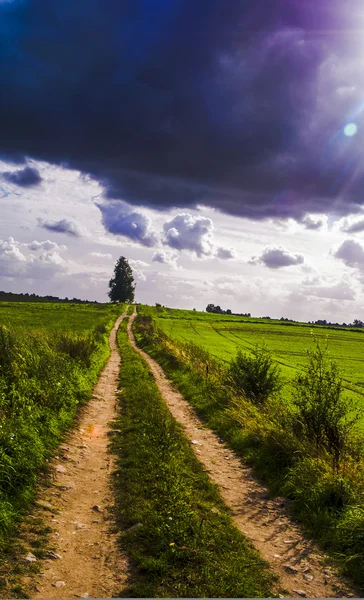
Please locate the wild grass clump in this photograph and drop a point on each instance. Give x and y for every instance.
(308, 450)
(255, 376)
(176, 528)
(44, 377)
(76, 346)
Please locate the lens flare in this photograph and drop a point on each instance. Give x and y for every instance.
(350, 129)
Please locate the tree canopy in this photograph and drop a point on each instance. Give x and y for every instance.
(122, 286)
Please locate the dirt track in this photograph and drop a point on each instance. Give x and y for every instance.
(298, 563)
(89, 563)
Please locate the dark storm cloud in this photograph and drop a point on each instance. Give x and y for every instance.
(276, 258)
(62, 226)
(176, 103)
(26, 177)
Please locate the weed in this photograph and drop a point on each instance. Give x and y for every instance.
(79, 347)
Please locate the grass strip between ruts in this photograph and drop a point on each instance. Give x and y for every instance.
(175, 527)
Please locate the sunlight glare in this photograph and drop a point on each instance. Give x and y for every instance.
(350, 129)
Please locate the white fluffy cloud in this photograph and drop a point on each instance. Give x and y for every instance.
(351, 253)
(166, 258)
(186, 232)
(12, 260)
(352, 225)
(225, 253)
(34, 260)
(101, 255)
(311, 222)
(46, 251)
(46, 246)
(276, 257)
(196, 234)
(138, 264)
(67, 226)
(119, 219)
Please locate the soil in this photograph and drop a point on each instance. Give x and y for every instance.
(86, 561)
(302, 568)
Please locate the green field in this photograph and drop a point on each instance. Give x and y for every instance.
(223, 335)
(53, 317)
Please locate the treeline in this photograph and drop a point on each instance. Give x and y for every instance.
(357, 323)
(12, 297)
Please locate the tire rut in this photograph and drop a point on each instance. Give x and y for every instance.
(298, 562)
(87, 562)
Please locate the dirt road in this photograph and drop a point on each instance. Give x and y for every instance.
(299, 563)
(86, 562)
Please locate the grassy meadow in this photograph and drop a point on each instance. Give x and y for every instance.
(50, 357)
(322, 474)
(223, 335)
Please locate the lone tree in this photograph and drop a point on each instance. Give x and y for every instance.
(122, 285)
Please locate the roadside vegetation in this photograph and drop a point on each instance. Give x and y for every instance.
(50, 358)
(309, 449)
(177, 530)
(222, 335)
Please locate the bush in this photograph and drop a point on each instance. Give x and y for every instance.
(255, 377)
(323, 416)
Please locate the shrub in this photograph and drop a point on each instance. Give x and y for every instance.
(256, 377)
(146, 328)
(323, 416)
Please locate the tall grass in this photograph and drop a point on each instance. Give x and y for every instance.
(328, 501)
(44, 378)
